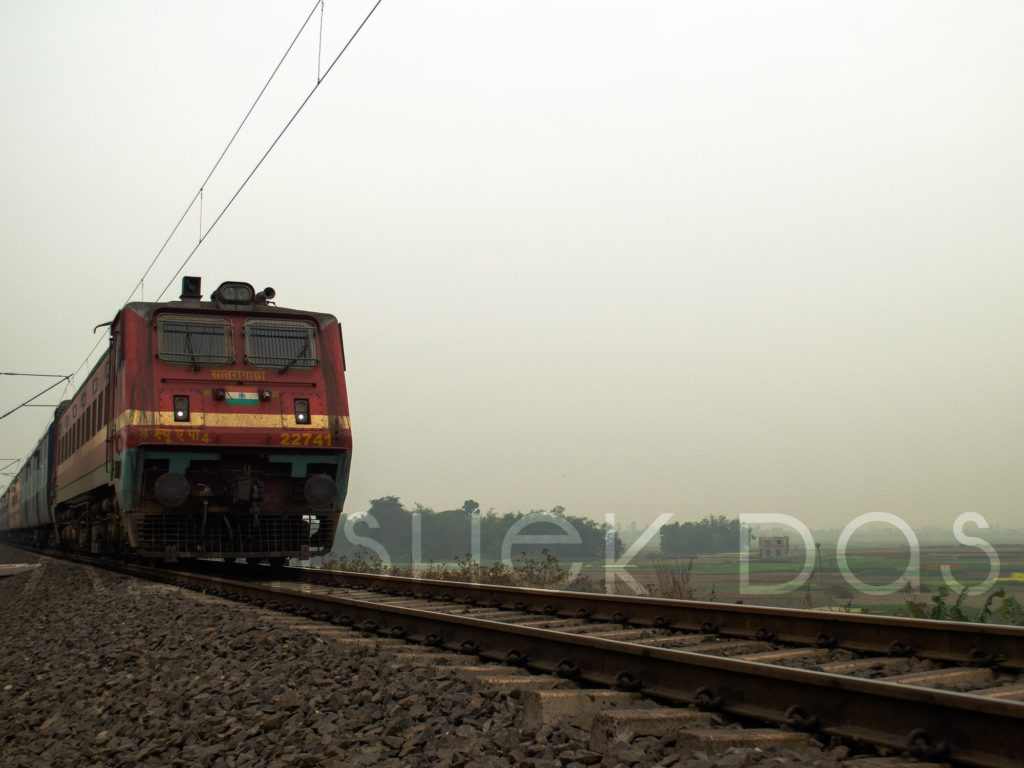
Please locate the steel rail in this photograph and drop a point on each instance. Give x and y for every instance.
(926, 723)
(930, 724)
(952, 641)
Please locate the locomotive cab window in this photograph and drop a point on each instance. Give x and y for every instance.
(281, 344)
(195, 340)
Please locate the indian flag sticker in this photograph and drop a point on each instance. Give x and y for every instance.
(242, 398)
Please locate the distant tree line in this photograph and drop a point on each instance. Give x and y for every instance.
(447, 535)
(707, 536)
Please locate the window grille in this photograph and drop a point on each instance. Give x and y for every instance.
(280, 344)
(195, 340)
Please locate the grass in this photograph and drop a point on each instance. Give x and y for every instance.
(544, 570)
(999, 608)
(716, 577)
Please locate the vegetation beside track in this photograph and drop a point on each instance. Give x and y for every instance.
(715, 580)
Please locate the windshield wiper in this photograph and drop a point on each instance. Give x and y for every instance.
(305, 346)
(188, 348)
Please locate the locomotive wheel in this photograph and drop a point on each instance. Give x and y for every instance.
(277, 563)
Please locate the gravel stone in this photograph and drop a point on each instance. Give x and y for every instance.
(102, 670)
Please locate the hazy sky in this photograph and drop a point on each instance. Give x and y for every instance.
(628, 257)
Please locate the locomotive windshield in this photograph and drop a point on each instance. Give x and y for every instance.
(280, 344)
(195, 340)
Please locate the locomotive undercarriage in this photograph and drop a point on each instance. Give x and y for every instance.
(242, 504)
(235, 504)
(87, 524)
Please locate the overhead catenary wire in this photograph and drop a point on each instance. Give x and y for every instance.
(5, 473)
(64, 377)
(67, 379)
(36, 375)
(199, 192)
(81, 365)
(320, 42)
(34, 397)
(273, 144)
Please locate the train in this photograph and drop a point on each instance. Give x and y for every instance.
(215, 429)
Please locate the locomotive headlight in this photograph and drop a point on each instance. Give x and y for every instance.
(182, 412)
(301, 411)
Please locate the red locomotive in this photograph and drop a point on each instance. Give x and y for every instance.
(208, 429)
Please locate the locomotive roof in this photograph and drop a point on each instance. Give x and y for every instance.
(148, 308)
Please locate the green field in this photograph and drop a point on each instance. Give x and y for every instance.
(717, 577)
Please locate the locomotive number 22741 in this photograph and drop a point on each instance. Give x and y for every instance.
(318, 439)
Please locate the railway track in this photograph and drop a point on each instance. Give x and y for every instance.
(936, 691)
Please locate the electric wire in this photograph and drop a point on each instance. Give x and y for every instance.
(34, 397)
(199, 192)
(87, 356)
(5, 473)
(271, 147)
(320, 42)
(37, 375)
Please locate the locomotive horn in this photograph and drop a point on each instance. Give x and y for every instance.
(191, 288)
